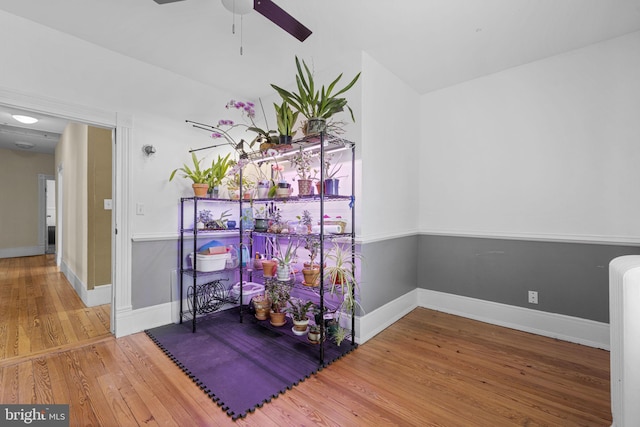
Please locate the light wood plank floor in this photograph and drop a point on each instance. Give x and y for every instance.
(428, 369)
(41, 312)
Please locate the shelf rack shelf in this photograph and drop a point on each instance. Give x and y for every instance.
(215, 296)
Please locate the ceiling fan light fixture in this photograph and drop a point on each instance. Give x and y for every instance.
(239, 7)
(27, 120)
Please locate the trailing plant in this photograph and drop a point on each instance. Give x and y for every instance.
(340, 273)
(278, 293)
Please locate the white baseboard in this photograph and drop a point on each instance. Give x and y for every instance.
(99, 295)
(24, 251)
(566, 328)
(133, 321)
(370, 324)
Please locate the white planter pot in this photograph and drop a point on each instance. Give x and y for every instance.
(283, 272)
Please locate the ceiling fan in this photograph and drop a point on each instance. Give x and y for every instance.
(269, 10)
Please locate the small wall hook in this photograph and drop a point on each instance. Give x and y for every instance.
(148, 149)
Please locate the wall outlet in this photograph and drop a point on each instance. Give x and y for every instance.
(139, 208)
(533, 297)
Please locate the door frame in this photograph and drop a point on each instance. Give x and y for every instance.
(122, 140)
(43, 239)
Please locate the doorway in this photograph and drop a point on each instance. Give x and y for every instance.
(122, 126)
(49, 215)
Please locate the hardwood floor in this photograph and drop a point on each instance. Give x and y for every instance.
(40, 311)
(428, 369)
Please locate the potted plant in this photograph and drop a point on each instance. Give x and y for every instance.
(301, 161)
(330, 175)
(260, 219)
(217, 173)
(224, 127)
(340, 274)
(284, 257)
(306, 220)
(262, 305)
(286, 119)
(205, 217)
(278, 293)
(317, 104)
(234, 184)
(298, 309)
(314, 334)
(311, 270)
(339, 335)
(199, 176)
(220, 223)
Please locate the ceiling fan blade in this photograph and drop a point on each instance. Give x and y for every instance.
(166, 1)
(278, 16)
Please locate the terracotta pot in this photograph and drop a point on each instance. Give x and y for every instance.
(200, 190)
(269, 267)
(263, 308)
(311, 276)
(278, 319)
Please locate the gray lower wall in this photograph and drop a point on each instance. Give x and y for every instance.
(388, 271)
(571, 278)
(151, 272)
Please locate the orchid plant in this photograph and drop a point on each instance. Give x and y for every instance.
(331, 168)
(225, 126)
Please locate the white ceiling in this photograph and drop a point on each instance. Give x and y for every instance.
(44, 135)
(429, 44)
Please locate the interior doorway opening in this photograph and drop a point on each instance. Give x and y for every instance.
(50, 216)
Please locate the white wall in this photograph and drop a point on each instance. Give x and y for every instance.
(390, 147)
(50, 64)
(549, 149)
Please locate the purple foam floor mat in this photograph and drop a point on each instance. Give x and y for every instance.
(242, 366)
